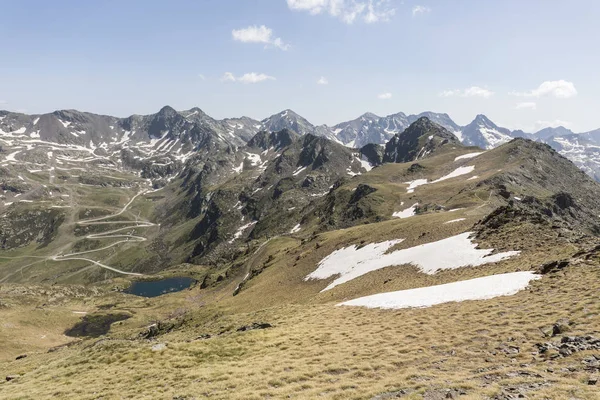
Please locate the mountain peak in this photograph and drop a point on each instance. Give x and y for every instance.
(482, 117)
(420, 139)
(167, 110)
(370, 115)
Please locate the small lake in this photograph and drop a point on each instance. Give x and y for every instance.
(160, 287)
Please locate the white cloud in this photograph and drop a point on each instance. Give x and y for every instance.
(370, 11)
(251, 77)
(322, 81)
(529, 105)
(228, 77)
(560, 89)
(202, 77)
(3, 102)
(420, 10)
(258, 34)
(385, 96)
(473, 91)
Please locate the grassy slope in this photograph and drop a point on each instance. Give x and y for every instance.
(316, 349)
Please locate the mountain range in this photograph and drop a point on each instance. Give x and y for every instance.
(267, 244)
(181, 132)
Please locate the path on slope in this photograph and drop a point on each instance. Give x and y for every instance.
(127, 238)
(113, 234)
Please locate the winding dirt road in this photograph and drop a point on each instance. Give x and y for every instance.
(113, 234)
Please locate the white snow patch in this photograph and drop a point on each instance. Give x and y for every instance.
(35, 121)
(412, 185)
(517, 198)
(473, 177)
(457, 172)
(254, 159)
(240, 168)
(299, 170)
(11, 156)
(406, 213)
(467, 156)
(483, 288)
(65, 124)
(295, 229)
(454, 220)
(365, 164)
(241, 230)
(351, 262)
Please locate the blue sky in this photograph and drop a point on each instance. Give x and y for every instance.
(525, 64)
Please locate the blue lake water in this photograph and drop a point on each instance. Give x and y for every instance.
(160, 287)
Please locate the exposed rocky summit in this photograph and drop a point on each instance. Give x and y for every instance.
(422, 138)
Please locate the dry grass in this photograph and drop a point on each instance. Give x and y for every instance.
(321, 350)
(318, 350)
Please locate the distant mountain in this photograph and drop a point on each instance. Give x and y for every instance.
(370, 128)
(440, 119)
(482, 132)
(549, 132)
(288, 119)
(140, 141)
(419, 140)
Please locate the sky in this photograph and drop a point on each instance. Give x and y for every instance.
(524, 64)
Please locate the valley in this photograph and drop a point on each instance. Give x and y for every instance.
(423, 265)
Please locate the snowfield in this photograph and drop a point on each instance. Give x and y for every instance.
(454, 220)
(409, 212)
(469, 155)
(241, 230)
(412, 185)
(450, 253)
(487, 287)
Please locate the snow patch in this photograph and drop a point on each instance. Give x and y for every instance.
(239, 169)
(299, 170)
(469, 155)
(483, 288)
(406, 213)
(241, 230)
(457, 172)
(254, 159)
(295, 229)
(458, 251)
(412, 185)
(454, 220)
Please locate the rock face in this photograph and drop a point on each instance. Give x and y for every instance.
(20, 227)
(484, 133)
(288, 119)
(371, 128)
(419, 140)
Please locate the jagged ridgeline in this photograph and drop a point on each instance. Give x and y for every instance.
(286, 240)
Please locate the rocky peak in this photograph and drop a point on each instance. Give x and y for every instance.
(420, 139)
(265, 140)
